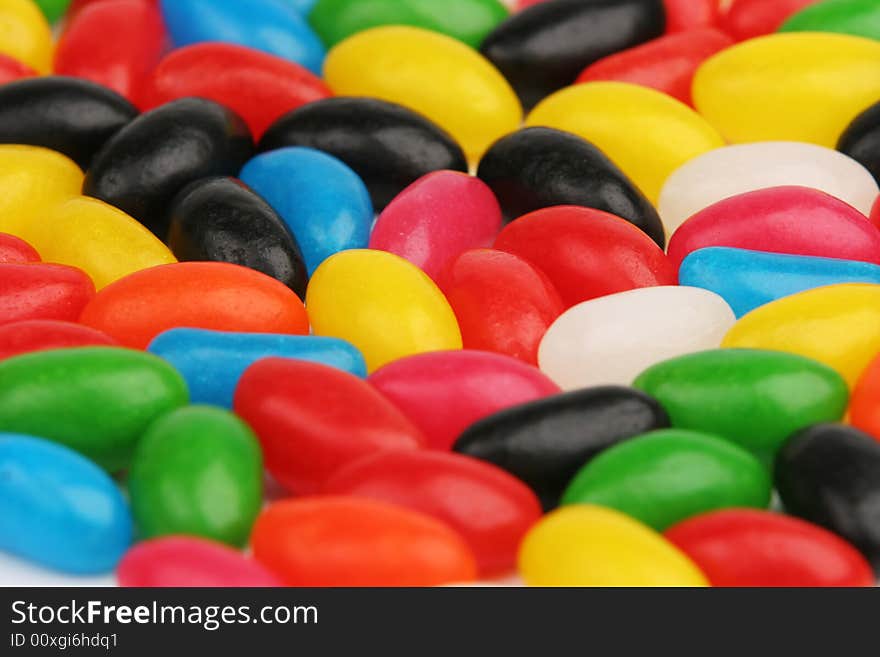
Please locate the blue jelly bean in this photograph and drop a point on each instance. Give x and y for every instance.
(59, 509)
(212, 362)
(749, 279)
(303, 6)
(324, 203)
(273, 26)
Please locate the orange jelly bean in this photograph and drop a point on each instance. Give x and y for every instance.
(207, 295)
(864, 407)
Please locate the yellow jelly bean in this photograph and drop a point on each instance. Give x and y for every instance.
(382, 304)
(646, 133)
(25, 34)
(789, 87)
(586, 545)
(101, 240)
(433, 74)
(32, 179)
(837, 325)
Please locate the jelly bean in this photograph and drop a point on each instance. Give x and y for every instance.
(184, 561)
(26, 36)
(611, 339)
(537, 168)
(12, 69)
(749, 279)
(543, 48)
(734, 170)
(59, 509)
(861, 140)
(746, 19)
(633, 477)
(221, 220)
(830, 475)
(134, 172)
(856, 17)
(32, 180)
(838, 325)
(685, 15)
(586, 545)
(71, 116)
(96, 400)
(750, 548)
(172, 465)
(466, 20)
(272, 26)
(219, 71)
(471, 385)
(502, 303)
(96, 237)
(209, 295)
(382, 304)
(793, 220)
(608, 114)
(16, 251)
(212, 362)
(491, 510)
(40, 291)
(587, 253)
(432, 74)
(829, 78)
(667, 64)
(304, 6)
(27, 336)
(53, 9)
(864, 408)
(341, 541)
(313, 419)
(875, 213)
(436, 219)
(116, 43)
(545, 442)
(387, 145)
(324, 203)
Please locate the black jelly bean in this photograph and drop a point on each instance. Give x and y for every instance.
(538, 168)
(223, 220)
(545, 47)
(861, 140)
(388, 146)
(829, 474)
(72, 116)
(148, 162)
(544, 443)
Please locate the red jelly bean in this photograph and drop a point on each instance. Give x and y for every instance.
(795, 220)
(190, 562)
(12, 69)
(444, 392)
(745, 547)
(220, 71)
(436, 218)
(746, 19)
(39, 291)
(683, 15)
(347, 541)
(116, 43)
(208, 295)
(312, 419)
(502, 303)
(491, 509)
(31, 335)
(875, 213)
(16, 251)
(667, 64)
(587, 253)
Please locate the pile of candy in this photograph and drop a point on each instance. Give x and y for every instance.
(420, 292)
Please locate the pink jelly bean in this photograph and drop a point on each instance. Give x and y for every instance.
(794, 220)
(438, 217)
(444, 392)
(16, 251)
(190, 562)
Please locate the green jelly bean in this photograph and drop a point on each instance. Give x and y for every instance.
(466, 20)
(666, 476)
(95, 400)
(197, 471)
(53, 9)
(855, 17)
(752, 397)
